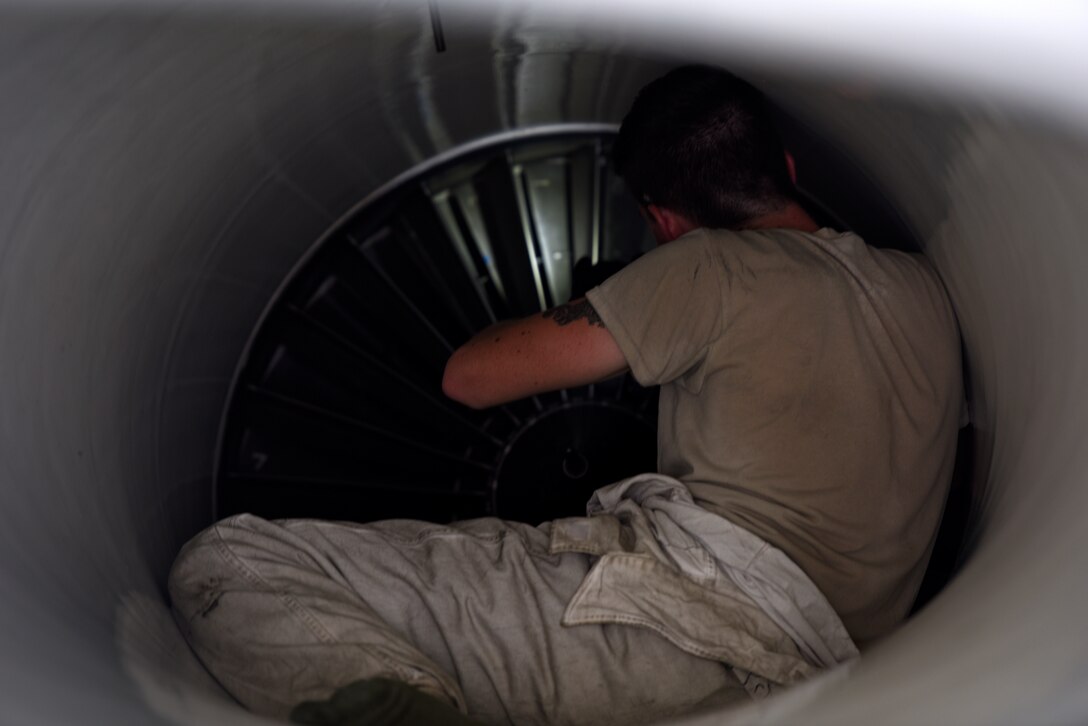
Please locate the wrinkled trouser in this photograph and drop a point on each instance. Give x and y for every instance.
(288, 611)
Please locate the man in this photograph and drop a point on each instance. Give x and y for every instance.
(810, 393)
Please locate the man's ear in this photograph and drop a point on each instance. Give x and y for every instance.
(791, 166)
(666, 224)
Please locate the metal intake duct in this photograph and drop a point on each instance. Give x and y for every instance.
(179, 230)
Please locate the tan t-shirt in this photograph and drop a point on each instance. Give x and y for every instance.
(811, 388)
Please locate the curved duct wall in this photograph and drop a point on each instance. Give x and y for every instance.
(163, 170)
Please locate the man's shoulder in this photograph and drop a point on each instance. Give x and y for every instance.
(773, 246)
(726, 250)
(773, 238)
(682, 252)
(802, 249)
(824, 254)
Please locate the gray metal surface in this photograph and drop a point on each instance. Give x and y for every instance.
(163, 167)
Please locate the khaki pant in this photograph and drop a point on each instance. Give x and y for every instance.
(282, 612)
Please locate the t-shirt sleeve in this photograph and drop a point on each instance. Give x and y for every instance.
(665, 308)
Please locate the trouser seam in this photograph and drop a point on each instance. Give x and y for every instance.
(404, 671)
(293, 605)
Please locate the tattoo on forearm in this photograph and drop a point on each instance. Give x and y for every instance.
(567, 314)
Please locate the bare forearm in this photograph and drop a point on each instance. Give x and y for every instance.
(563, 347)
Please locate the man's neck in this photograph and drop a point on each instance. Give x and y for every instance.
(791, 216)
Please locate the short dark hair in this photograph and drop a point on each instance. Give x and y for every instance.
(701, 142)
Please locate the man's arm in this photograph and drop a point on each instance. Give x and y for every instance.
(562, 347)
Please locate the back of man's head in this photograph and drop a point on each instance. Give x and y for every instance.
(701, 142)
